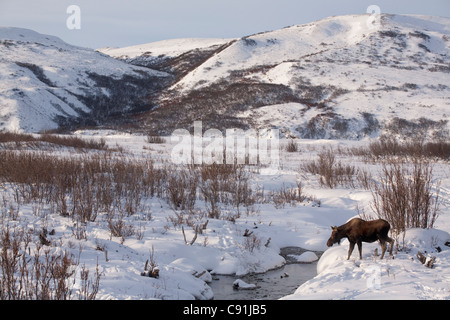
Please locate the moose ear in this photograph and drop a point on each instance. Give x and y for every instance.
(332, 228)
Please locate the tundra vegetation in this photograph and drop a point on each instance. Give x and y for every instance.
(88, 181)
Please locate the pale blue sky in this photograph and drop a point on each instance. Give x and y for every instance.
(119, 23)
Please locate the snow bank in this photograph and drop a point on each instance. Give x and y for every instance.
(403, 277)
(241, 284)
(306, 257)
(191, 267)
(243, 262)
(332, 256)
(425, 239)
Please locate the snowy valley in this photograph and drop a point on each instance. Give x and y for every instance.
(131, 211)
(100, 210)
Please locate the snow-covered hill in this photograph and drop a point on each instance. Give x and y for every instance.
(167, 48)
(45, 82)
(176, 56)
(338, 77)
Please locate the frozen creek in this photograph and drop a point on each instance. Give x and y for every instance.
(270, 285)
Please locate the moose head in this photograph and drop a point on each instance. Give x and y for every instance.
(335, 237)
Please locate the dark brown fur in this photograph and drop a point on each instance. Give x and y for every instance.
(359, 231)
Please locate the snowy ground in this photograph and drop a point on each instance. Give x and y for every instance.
(402, 278)
(185, 270)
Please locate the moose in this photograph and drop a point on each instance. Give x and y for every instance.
(358, 231)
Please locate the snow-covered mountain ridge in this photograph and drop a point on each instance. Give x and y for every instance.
(45, 82)
(335, 78)
(340, 77)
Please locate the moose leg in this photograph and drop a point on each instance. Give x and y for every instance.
(360, 249)
(350, 249)
(383, 248)
(391, 241)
